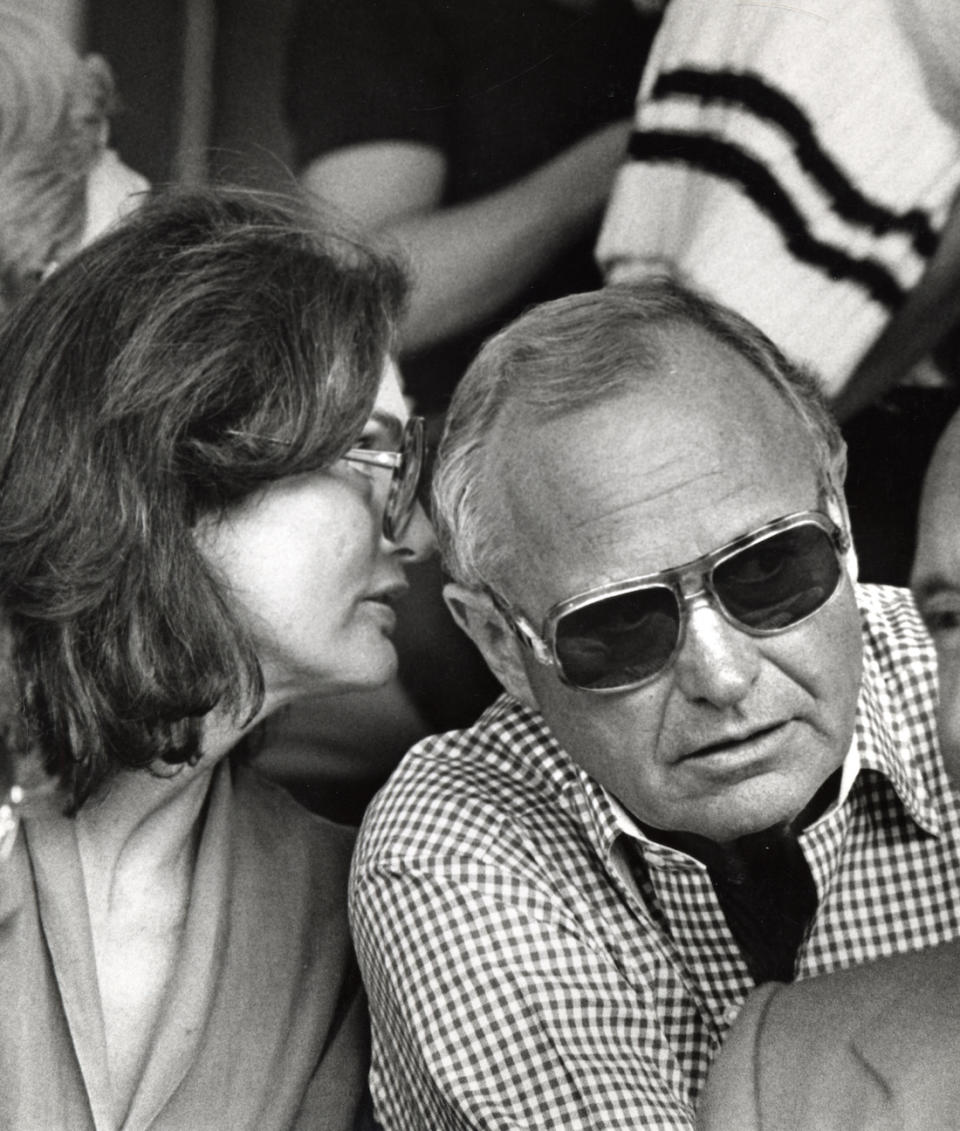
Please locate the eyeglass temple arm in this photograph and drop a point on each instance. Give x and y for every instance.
(378, 459)
(522, 629)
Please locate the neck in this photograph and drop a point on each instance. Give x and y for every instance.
(141, 829)
(143, 820)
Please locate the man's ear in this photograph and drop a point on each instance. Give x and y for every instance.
(836, 505)
(475, 612)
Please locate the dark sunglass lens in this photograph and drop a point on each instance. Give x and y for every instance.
(781, 580)
(619, 641)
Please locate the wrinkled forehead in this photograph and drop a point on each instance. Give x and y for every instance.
(657, 415)
(699, 452)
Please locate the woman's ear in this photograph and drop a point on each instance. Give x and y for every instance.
(478, 616)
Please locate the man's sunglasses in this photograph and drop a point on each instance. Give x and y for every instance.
(625, 634)
(407, 467)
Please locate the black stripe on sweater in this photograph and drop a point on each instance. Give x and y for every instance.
(758, 97)
(729, 162)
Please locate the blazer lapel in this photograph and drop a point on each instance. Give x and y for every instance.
(65, 920)
(181, 1027)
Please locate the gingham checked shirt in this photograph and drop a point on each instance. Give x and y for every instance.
(532, 965)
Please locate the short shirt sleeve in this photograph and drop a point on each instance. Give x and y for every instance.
(364, 71)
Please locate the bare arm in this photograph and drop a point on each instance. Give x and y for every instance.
(470, 259)
(931, 309)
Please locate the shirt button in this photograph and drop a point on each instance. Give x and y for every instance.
(731, 1013)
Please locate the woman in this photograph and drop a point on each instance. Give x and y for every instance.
(60, 184)
(194, 530)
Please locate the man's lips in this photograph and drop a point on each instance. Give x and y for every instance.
(733, 742)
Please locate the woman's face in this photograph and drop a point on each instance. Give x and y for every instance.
(313, 577)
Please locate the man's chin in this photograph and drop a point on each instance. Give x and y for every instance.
(748, 808)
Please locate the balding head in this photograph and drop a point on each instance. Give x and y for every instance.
(563, 357)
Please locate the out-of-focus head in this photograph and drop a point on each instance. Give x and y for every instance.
(59, 184)
(200, 358)
(936, 582)
(608, 436)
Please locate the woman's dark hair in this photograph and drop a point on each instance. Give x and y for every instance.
(210, 344)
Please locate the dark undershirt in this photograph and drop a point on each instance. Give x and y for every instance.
(764, 885)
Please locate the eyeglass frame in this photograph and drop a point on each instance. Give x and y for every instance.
(409, 454)
(543, 645)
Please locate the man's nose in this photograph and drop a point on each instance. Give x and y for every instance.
(717, 662)
(417, 542)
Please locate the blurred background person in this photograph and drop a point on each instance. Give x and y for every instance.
(60, 182)
(801, 164)
(483, 137)
(208, 504)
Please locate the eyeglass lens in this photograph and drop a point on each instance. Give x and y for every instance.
(406, 479)
(628, 638)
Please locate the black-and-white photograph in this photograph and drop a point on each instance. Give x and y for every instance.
(380, 381)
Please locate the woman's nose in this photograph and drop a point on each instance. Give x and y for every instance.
(417, 541)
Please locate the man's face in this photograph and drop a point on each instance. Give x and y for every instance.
(936, 582)
(740, 731)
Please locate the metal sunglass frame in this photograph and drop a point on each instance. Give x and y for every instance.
(543, 644)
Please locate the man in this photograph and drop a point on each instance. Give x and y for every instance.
(877, 1046)
(708, 769)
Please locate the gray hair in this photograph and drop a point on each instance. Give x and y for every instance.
(563, 357)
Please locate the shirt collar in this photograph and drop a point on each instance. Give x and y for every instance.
(885, 744)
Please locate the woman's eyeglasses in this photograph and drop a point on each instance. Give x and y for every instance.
(624, 635)
(407, 466)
